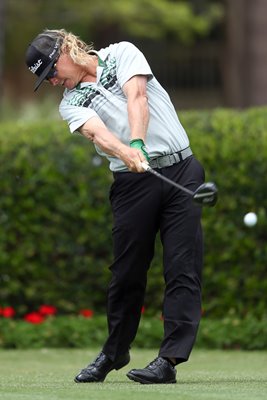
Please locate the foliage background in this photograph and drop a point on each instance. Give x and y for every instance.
(55, 237)
(55, 242)
(247, 333)
(162, 29)
(182, 21)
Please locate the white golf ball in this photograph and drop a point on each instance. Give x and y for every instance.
(250, 219)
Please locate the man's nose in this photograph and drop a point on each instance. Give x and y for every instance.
(54, 81)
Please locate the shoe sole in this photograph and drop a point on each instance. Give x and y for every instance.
(145, 382)
(95, 381)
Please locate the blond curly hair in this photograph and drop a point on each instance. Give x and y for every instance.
(72, 45)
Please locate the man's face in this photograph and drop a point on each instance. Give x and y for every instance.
(67, 74)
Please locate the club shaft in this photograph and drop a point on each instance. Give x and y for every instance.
(163, 178)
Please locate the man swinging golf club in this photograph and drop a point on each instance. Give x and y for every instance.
(112, 98)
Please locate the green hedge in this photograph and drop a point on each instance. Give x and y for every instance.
(55, 236)
(79, 332)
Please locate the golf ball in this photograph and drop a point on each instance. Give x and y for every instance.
(250, 219)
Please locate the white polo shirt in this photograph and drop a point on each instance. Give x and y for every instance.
(105, 98)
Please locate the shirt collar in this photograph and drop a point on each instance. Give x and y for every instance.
(99, 70)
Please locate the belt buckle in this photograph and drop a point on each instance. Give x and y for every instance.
(170, 161)
(178, 157)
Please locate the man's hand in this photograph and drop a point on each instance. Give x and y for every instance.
(132, 158)
(95, 130)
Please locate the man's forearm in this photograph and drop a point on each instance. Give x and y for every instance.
(105, 140)
(138, 115)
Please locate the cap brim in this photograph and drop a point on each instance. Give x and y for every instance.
(43, 75)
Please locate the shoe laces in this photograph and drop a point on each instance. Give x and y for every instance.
(93, 364)
(155, 363)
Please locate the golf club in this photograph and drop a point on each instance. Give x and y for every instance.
(205, 195)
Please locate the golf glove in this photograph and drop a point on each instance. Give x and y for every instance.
(140, 145)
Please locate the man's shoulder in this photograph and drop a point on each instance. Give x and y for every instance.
(116, 49)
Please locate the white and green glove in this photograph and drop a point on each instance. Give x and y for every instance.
(140, 145)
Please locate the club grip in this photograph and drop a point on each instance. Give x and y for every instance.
(146, 166)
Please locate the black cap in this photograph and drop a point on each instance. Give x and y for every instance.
(42, 54)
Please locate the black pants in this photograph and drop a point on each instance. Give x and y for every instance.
(143, 205)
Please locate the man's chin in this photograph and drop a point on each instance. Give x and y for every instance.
(69, 84)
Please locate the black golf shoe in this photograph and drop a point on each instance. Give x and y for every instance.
(98, 369)
(158, 371)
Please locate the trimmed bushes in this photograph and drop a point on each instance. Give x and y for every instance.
(55, 237)
(79, 332)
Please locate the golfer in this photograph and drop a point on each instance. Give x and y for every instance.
(112, 97)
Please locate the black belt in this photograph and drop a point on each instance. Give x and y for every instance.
(170, 159)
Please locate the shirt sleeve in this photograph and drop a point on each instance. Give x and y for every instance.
(75, 116)
(130, 62)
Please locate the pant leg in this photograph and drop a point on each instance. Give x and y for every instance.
(135, 203)
(181, 236)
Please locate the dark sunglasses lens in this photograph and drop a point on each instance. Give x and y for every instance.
(51, 73)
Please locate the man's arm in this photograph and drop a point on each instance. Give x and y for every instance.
(138, 115)
(96, 131)
(137, 106)
(138, 111)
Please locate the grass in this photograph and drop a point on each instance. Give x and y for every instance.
(211, 375)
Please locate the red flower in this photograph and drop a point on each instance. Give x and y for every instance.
(87, 313)
(7, 312)
(143, 309)
(47, 310)
(34, 318)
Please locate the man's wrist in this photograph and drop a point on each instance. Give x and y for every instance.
(140, 145)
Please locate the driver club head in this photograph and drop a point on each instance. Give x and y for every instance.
(206, 194)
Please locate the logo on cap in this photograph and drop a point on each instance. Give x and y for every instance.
(55, 50)
(35, 66)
